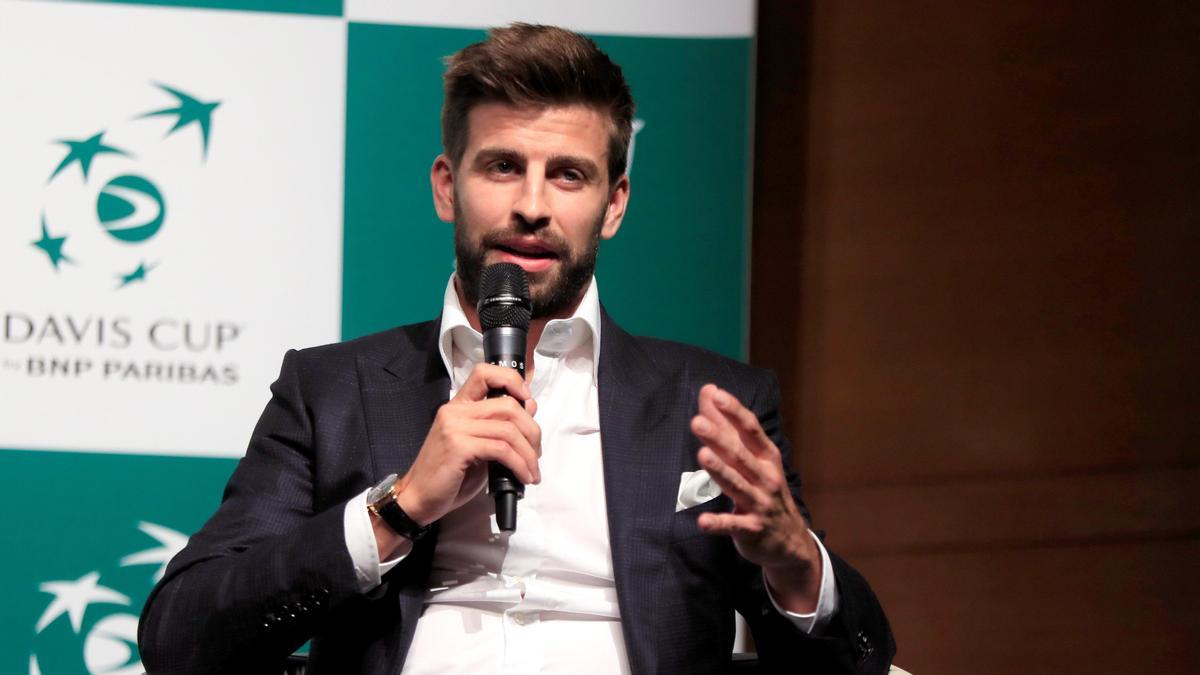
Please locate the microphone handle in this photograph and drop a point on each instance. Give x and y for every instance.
(505, 346)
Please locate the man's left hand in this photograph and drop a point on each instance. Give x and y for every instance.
(766, 526)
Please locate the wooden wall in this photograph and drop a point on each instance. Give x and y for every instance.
(976, 241)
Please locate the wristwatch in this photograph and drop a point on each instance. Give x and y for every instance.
(381, 501)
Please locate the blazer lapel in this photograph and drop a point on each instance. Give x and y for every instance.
(400, 397)
(642, 431)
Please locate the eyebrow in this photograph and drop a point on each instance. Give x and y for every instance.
(492, 154)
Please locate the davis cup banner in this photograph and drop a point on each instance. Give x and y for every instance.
(188, 189)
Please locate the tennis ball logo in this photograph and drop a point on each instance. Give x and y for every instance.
(110, 647)
(131, 209)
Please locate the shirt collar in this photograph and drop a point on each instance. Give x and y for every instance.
(559, 337)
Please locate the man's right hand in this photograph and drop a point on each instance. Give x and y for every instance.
(469, 431)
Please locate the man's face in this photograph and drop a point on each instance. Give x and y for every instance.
(531, 188)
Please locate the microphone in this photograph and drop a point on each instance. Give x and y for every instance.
(504, 310)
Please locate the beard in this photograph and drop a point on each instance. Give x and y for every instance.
(552, 292)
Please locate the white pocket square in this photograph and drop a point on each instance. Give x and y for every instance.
(695, 487)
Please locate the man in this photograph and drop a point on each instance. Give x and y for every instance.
(358, 518)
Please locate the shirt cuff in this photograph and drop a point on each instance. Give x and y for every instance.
(362, 546)
(827, 597)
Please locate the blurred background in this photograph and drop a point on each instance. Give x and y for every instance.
(975, 242)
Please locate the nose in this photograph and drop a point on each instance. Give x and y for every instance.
(531, 209)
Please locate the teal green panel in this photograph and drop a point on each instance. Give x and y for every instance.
(319, 7)
(69, 515)
(678, 267)
(396, 254)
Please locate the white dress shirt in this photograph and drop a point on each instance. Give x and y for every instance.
(541, 599)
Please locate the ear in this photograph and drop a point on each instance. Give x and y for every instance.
(618, 198)
(441, 179)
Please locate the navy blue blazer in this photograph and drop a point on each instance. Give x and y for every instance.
(270, 569)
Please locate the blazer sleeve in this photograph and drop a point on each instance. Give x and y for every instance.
(266, 570)
(857, 639)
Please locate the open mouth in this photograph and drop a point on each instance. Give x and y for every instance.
(533, 256)
(527, 251)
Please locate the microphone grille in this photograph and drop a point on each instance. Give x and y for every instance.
(504, 297)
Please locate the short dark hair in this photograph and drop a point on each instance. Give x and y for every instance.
(533, 65)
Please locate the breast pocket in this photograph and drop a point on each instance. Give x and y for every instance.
(684, 526)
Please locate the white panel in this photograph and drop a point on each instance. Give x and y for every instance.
(679, 18)
(251, 240)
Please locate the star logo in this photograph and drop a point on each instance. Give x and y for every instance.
(106, 638)
(171, 542)
(52, 246)
(138, 274)
(84, 152)
(73, 597)
(189, 111)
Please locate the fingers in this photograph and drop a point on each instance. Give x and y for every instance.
(507, 409)
(486, 377)
(500, 429)
(509, 446)
(765, 525)
(745, 422)
(711, 427)
(715, 429)
(733, 524)
(745, 495)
